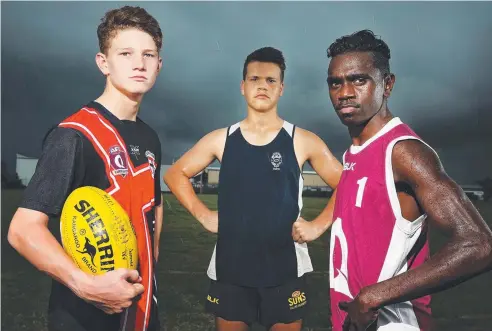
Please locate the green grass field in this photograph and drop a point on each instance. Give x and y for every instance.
(185, 253)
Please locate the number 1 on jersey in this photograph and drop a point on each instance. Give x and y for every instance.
(360, 192)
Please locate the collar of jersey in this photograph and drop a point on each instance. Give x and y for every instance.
(386, 128)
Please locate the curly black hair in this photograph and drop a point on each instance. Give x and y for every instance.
(266, 54)
(363, 41)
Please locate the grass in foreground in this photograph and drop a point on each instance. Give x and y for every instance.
(185, 253)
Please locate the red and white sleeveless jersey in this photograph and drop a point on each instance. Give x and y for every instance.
(370, 240)
(133, 188)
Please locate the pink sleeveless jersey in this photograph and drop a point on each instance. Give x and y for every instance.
(370, 240)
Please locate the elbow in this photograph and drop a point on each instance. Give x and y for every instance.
(168, 178)
(482, 252)
(173, 177)
(487, 251)
(169, 175)
(14, 236)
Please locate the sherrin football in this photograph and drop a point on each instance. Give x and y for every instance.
(97, 233)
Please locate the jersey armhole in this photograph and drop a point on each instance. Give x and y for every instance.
(231, 129)
(289, 128)
(292, 128)
(406, 226)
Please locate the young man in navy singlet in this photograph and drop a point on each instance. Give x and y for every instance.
(393, 185)
(104, 144)
(260, 259)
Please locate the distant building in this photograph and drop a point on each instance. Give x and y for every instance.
(26, 166)
(213, 175)
(474, 192)
(164, 168)
(312, 181)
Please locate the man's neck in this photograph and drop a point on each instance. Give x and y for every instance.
(262, 121)
(122, 106)
(362, 133)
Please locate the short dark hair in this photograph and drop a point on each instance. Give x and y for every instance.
(363, 41)
(266, 54)
(124, 18)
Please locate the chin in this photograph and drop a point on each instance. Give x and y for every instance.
(348, 120)
(133, 90)
(262, 106)
(353, 121)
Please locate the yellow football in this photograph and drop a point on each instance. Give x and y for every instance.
(97, 233)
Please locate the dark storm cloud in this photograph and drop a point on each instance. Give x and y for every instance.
(440, 54)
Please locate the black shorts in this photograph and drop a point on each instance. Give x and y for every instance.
(286, 303)
(67, 312)
(61, 320)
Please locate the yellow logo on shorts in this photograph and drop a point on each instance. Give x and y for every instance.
(213, 300)
(297, 300)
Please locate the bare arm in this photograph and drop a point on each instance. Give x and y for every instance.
(311, 148)
(468, 251)
(159, 215)
(59, 169)
(30, 236)
(177, 177)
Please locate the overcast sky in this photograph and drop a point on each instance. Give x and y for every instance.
(441, 56)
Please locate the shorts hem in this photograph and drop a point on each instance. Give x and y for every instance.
(228, 318)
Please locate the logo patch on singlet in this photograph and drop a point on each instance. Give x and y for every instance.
(118, 160)
(276, 160)
(350, 166)
(151, 158)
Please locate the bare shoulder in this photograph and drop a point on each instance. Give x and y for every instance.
(217, 135)
(310, 143)
(309, 146)
(440, 196)
(307, 137)
(212, 139)
(213, 142)
(208, 148)
(414, 161)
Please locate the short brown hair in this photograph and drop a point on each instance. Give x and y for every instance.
(124, 18)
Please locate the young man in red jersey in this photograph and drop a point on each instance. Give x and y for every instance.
(104, 144)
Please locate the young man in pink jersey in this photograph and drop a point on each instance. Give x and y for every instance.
(392, 186)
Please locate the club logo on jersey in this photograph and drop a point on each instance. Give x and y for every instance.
(298, 299)
(151, 158)
(135, 151)
(276, 160)
(118, 160)
(349, 166)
